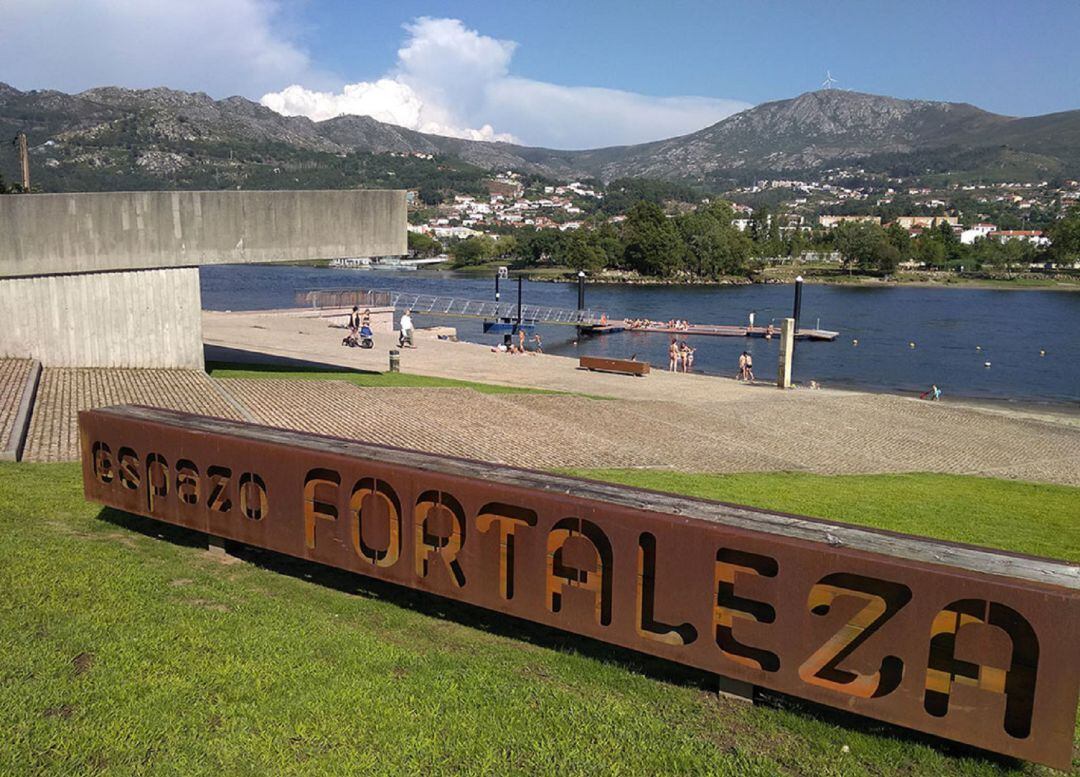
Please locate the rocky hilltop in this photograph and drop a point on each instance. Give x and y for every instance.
(110, 137)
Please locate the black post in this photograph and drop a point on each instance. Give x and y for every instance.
(519, 305)
(581, 290)
(496, 288)
(798, 301)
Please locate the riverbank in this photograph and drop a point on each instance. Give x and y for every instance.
(830, 277)
(687, 421)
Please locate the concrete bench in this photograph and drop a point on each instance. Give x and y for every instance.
(624, 366)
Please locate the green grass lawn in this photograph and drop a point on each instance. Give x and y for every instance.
(1032, 518)
(127, 649)
(362, 378)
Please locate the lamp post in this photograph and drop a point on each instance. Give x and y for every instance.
(519, 305)
(798, 300)
(580, 291)
(496, 289)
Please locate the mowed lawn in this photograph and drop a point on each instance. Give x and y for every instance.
(125, 648)
(362, 378)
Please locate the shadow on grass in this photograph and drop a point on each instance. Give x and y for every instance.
(542, 636)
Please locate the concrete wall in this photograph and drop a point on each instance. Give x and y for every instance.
(146, 318)
(45, 234)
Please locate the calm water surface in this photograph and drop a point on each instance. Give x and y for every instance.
(955, 331)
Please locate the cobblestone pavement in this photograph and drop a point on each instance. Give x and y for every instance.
(13, 374)
(802, 432)
(456, 422)
(63, 392)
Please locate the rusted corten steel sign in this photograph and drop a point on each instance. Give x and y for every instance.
(964, 643)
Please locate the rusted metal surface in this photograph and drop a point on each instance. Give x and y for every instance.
(964, 643)
(603, 364)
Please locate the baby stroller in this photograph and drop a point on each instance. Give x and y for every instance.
(361, 339)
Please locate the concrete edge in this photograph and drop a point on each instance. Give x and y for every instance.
(233, 402)
(21, 426)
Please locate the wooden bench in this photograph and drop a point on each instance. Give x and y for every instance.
(624, 366)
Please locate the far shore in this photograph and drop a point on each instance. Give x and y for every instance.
(784, 275)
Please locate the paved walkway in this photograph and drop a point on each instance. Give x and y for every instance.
(686, 422)
(689, 422)
(63, 392)
(13, 375)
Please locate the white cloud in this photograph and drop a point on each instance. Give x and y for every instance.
(451, 80)
(221, 47)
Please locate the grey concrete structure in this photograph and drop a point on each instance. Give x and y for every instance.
(111, 279)
(139, 318)
(46, 234)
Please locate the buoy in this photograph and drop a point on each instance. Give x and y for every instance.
(986, 364)
(911, 344)
(978, 347)
(1042, 352)
(854, 342)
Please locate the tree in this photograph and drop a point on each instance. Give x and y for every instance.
(1064, 235)
(582, 252)
(472, 251)
(653, 244)
(713, 246)
(862, 244)
(423, 246)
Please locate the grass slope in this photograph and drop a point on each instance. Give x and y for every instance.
(1033, 518)
(362, 378)
(126, 649)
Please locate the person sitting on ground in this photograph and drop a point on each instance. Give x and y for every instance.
(539, 343)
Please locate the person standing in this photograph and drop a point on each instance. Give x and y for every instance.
(673, 355)
(406, 330)
(741, 374)
(749, 367)
(751, 321)
(521, 339)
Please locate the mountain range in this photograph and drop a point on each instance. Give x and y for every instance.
(103, 137)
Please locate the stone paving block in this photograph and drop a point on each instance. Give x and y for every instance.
(64, 391)
(455, 422)
(13, 375)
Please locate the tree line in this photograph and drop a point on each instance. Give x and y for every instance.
(704, 244)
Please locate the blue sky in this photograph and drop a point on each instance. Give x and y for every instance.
(1018, 58)
(550, 72)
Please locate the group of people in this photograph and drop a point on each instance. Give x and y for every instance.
(359, 327)
(508, 346)
(680, 356)
(645, 323)
(746, 367)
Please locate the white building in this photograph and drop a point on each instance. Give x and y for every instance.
(976, 231)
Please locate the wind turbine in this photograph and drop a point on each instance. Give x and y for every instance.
(829, 80)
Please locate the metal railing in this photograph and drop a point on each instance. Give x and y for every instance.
(445, 306)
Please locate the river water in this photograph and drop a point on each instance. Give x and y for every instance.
(955, 331)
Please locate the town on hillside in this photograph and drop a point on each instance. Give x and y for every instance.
(857, 222)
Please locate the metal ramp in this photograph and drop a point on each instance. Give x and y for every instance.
(426, 304)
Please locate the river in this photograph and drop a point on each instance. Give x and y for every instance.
(956, 332)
